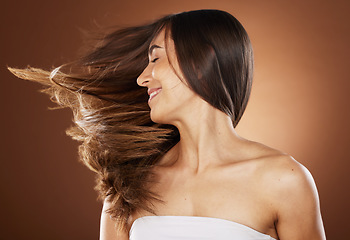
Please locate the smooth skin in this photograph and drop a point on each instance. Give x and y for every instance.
(213, 172)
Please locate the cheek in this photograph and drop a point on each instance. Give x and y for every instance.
(161, 72)
(173, 104)
(176, 98)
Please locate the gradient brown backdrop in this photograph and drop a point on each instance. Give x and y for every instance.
(299, 104)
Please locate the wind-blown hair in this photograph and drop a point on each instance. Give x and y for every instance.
(112, 118)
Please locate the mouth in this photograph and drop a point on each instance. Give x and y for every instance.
(154, 93)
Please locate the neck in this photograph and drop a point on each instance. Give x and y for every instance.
(207, 139)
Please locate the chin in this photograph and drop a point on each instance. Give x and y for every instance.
(155, 118)
(159, 118)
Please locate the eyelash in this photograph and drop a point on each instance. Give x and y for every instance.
(154, 60)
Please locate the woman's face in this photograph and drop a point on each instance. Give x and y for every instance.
(169, 97)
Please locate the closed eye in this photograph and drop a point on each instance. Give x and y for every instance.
(154, 60)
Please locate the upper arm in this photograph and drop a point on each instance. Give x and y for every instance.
(298, 208)
(108, 229)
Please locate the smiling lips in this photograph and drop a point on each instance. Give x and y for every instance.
(153, 92)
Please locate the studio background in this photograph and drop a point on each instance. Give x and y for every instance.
(299, 104)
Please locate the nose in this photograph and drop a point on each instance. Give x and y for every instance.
(144, 77)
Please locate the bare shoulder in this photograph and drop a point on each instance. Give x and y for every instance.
(278, 173)
(278, 167)
(108, 227)
(285, 174)
(292, 192)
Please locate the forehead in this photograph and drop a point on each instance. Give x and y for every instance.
(159, 39)
(163, 41)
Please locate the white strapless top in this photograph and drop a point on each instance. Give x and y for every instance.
(191, 228)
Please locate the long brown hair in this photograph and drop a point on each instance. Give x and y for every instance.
(119, 140)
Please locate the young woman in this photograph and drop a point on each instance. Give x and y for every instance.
(156, 108)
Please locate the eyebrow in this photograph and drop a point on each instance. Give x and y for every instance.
(152, 48)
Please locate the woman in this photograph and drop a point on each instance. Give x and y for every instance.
(171, 165)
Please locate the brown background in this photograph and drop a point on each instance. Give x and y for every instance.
(299, 104)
